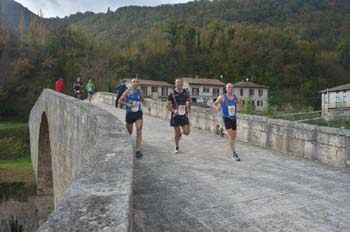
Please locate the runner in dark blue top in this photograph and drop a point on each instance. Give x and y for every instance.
(228, 104)
(132, 99)
(179, 105)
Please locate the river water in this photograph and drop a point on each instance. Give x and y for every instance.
(16, 216)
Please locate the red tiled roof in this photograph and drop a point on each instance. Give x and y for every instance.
(244, 84)
(203, 81)
(155, 83)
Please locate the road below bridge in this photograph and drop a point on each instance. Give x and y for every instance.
(203, 189)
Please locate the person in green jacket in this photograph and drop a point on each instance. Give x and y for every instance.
(90, 86)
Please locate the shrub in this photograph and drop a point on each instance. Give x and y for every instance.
(12, 148)
(248, 107)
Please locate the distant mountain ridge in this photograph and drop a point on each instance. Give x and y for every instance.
(312, 16)
(13, 11)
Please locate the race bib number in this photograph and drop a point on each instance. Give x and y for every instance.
(182, 109)
(135, 106)
(231, 110)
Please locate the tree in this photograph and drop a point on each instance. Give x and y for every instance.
(4, 15)
(21, 26)
(24, 69)
(37, 31)
(344, 50)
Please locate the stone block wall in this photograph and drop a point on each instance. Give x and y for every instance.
(327, 145)
(88, 154)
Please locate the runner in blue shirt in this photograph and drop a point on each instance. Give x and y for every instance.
(228, 104)
(132, 99)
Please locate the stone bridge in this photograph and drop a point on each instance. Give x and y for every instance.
(293, 177)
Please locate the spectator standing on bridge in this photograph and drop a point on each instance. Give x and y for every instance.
(120, 90)
(60, 85)
(90, 88)
(228, 103)
(77, 87)
(132, 99)
(179, 104)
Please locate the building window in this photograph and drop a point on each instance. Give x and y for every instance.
(194, 99)
(344, 99)
(261, 92)
(261, 103)
(164, 92)
(241, 92)
(216, 92)
(154, 89)
(195, 91)
(206, 90)
(144, 90)
(337, 99)
(251, 92)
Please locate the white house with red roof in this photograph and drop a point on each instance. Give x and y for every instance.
(204, 90)
(154, 89)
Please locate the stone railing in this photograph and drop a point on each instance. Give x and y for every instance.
(82, 156)
(328, 145)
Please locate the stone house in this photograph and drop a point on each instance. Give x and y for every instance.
(204, 90)
(256, 93)
(336, 101)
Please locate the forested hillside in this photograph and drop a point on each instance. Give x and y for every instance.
(297, 47)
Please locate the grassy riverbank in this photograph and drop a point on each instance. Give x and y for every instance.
(17, 179)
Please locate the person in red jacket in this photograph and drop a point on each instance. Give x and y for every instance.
(60, 85)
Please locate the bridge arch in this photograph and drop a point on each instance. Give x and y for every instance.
(82, 157)
(44, 173)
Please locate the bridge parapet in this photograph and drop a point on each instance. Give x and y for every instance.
(81, 155)
(328, 145)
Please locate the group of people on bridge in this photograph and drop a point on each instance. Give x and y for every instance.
(77, 87)
(179, 104)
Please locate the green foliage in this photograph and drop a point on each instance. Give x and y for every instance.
(289, 108)
(343, 49)
(24, 68)
(18, 130)
(12, 148)
(19, 191)
(270, 110)
(68, 49)
(248, 107)
(297, 48)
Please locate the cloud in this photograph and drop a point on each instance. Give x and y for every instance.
(54, 3)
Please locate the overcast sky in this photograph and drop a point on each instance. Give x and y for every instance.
(61, 8)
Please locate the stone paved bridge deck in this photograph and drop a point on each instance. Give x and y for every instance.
(202, 189)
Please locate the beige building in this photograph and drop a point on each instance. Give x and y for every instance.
(204, 90)
(257, 94)
(336, 101)
(153, 89)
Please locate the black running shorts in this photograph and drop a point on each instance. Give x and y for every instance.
(179, 120)
(132, 117)
(230, 123)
